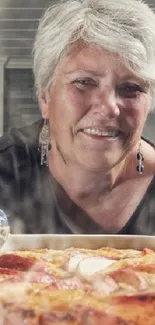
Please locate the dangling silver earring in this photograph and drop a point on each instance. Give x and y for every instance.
(140, 158)
(44, 144)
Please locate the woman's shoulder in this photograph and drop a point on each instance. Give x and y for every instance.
(16, 148)
(27, 135)
(148, 151)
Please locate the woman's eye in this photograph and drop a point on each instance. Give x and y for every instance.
(84, 82)
(129, 90)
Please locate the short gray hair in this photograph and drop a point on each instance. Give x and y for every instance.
(123, 27)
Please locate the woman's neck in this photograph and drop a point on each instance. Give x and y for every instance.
(83, 186)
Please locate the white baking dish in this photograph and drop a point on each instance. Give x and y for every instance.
(26, 242)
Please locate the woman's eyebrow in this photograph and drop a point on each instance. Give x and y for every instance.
(123, 78)
(92, 72)
(133, 77)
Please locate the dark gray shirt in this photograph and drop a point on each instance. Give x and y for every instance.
(29, 195)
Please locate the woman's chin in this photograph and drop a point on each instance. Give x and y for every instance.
(97, 164)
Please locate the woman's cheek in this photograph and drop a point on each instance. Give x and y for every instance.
(78, 101)
(136, 107)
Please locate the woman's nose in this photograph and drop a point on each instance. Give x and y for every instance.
(106, 105)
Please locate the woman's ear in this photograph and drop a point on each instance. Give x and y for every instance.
(44, 104)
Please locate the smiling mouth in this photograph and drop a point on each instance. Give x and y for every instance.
(102, 133)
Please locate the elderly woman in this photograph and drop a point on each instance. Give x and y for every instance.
(85, 168)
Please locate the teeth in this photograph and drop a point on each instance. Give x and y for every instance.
(101, 133)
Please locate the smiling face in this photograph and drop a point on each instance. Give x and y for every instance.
(96, 109)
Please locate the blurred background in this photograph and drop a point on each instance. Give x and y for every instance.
(18, 24)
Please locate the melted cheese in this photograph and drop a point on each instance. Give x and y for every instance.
(74, 261)
(90, 265)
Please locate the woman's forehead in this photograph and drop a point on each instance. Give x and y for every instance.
(93, 60)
